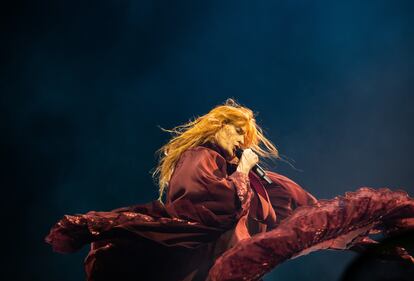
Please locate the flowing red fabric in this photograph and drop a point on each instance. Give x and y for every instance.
(214, 215)
(340, 223)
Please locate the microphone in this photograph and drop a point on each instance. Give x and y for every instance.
(256, 168)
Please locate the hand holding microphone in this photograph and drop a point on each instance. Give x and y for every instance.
(248, 161)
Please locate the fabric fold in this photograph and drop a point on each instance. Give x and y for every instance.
(339, 223)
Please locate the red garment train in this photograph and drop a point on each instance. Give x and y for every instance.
(219, 224)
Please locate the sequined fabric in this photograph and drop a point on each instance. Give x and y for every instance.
(212, 209)
(203, 208)
(340, 223)
(243, 190)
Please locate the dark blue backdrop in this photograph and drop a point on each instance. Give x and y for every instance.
(86, 83)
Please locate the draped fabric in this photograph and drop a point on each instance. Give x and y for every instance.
(340, 223)
(202, 217)
(212, 209)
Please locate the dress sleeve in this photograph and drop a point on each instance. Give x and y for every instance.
(200, 190)
(286, 195)
(338, 224)
(202, 203)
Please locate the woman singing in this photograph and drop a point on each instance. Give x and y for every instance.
(220, 221)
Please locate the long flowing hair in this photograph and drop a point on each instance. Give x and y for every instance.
(203, 129)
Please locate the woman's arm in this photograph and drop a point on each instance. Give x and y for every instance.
(200, 190)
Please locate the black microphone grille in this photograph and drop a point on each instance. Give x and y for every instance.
(238, 152)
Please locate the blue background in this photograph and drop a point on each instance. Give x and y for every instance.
(85, 85)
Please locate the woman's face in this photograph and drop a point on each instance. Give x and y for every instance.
(230, 137)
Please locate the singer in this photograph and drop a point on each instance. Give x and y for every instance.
(219, 219)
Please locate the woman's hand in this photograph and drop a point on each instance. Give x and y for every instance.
(247, 161)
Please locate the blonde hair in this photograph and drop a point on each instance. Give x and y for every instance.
(202, 130)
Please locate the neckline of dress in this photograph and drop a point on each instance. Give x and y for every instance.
(217, 149)
(214, 147)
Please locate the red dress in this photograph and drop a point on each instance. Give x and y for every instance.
(219, 224)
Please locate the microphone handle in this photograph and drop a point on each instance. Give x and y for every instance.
(261, 173)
